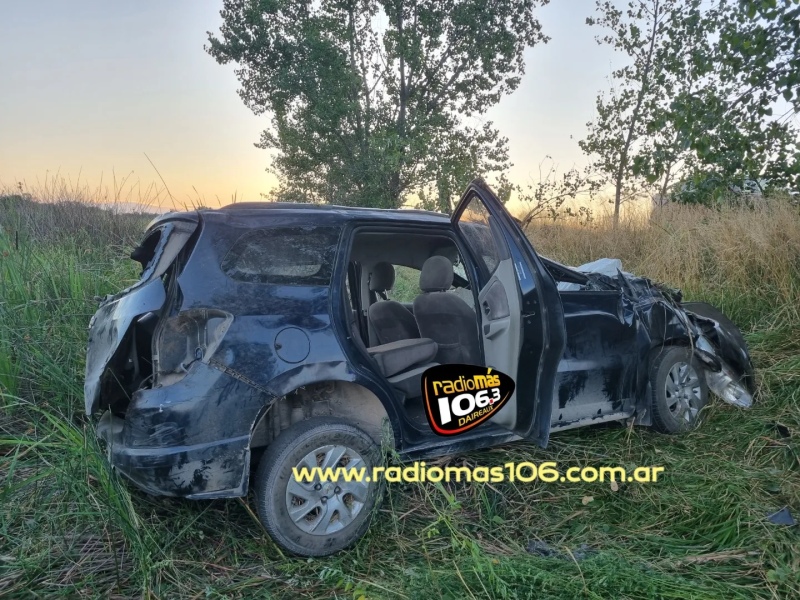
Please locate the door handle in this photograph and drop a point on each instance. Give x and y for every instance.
(493, 328)
(487, 310)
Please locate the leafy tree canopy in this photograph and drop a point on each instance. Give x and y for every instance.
(694, 106)
(739, 122)
(375, 101)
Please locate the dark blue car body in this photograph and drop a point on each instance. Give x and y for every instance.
(187, 418)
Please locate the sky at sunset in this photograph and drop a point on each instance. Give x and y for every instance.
(91, 89)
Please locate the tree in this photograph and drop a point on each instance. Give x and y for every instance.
(375, 101)
(622, 116)
(729, 121)
(767, 45)
(692, 110)
(544, 198)
(633, 141)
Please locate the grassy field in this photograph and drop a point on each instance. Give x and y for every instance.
(70, 528)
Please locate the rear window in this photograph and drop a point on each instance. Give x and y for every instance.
(283, 256)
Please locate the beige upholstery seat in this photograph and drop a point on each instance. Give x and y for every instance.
(444, 317)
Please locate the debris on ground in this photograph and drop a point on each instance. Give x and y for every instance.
(782, 517)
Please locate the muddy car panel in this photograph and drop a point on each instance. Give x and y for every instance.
(214, 372)
(186, 362)
(598, 375)
(183, 439)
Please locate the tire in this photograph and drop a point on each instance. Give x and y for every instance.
(318, 531)
(679, 390)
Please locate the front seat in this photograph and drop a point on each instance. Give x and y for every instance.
(444, 317)
(389, 321)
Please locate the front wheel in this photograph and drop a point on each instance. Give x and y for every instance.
(679, 390)
(317, 518)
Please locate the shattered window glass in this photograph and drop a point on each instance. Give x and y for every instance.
(283, 256)
(474, 223)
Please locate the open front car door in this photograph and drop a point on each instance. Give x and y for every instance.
(519, 310)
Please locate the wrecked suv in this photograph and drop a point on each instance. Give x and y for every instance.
(264, 335)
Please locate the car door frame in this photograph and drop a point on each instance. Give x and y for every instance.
(542, 334)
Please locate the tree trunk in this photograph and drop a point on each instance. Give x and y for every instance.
(665, 185)
(619, 178)
(394, 179)
(618, 190)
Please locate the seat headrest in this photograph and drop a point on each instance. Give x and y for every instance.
(381, 277)
(436, 274)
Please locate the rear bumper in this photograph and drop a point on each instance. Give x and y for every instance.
(215, 470)
(189, 439)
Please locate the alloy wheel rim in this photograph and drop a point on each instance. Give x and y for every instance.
(682, 389)
(322, 508)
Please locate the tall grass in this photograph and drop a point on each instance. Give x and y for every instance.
(69, 527)
(731, 256)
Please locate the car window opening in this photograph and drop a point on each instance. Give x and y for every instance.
(400, 290)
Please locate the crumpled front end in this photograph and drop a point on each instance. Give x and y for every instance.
(716, 340)
(729, 373)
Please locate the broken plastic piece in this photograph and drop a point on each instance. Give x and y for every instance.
(782, 517)
(724, 385)
(541, 549)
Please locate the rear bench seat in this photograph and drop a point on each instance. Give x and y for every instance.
(403, 362)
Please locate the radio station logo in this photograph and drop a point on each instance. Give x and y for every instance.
(460, 397)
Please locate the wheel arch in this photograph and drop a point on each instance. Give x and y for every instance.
(351, 401)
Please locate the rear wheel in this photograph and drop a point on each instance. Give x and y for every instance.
(317, 518)
(679, 390)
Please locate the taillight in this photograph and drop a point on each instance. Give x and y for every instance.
(189, 336)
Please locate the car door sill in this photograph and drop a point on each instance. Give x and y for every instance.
(593, 420)
(458, 444)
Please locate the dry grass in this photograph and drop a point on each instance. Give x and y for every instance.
(721, 254)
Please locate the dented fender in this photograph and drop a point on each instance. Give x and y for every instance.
(733, 377)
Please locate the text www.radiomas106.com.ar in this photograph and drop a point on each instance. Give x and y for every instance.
(524, 472)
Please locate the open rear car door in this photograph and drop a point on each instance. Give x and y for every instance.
(519, 310)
